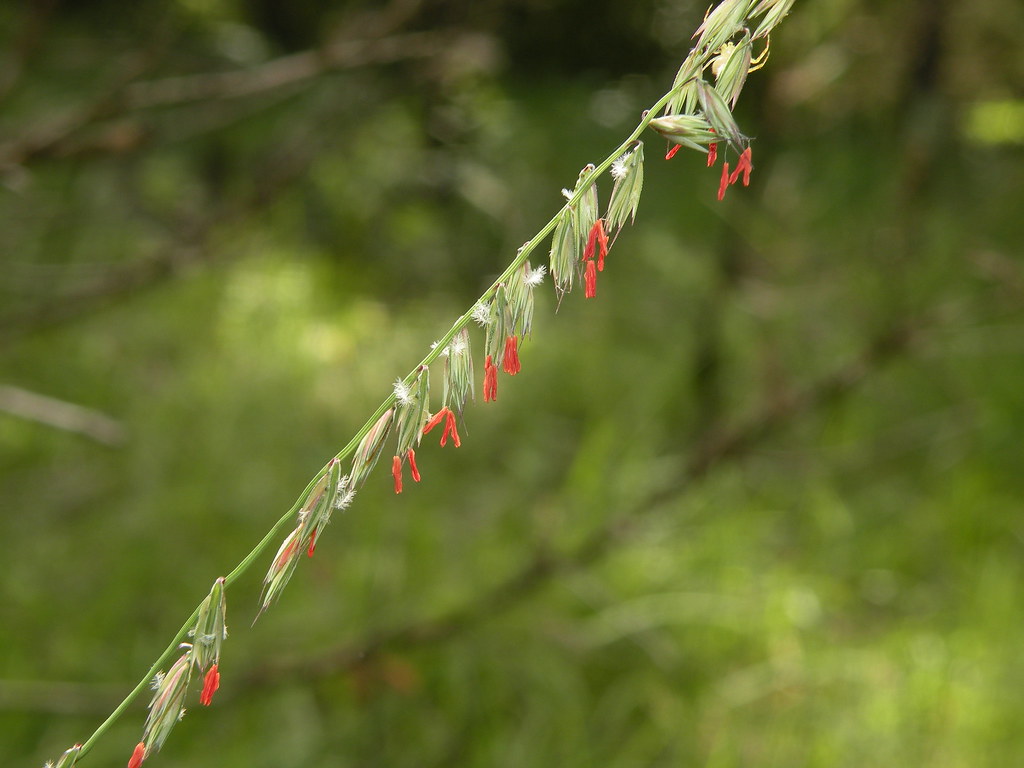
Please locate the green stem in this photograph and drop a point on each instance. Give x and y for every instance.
(515, 264)
(431, 357)
(142, 684)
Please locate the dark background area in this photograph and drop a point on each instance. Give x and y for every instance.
(758, 503)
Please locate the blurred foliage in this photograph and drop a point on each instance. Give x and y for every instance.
(237, 277)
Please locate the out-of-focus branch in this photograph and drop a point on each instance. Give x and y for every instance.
(1000, 269)
(718, 446)
(116, 282)
(111, 131)
(722, 443)
(59, 698)
(191, 248)
(54, 136)
(20, 52)
(62, 415)
(286, 71)
(62, 139)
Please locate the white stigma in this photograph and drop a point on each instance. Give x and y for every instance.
(481, 314)
(458, 346)
(619, 169)
(535, 277)
(344, 500)
(402, 393)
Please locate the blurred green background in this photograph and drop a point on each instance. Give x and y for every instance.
(758, 503)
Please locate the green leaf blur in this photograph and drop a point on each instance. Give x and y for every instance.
(758, 503)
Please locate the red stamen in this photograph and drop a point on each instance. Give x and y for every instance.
(712, 153)
(446, 415)
(491, 372)
(438, 418)
(312, 544)
(743, 166)
(510, 361)
(602, 244)
(210, 685)
(588, 252)
(724, 182)
(396, 472)
(450, 426)
(590, 287)
(138, 755)
(412, 465)
(672, 152)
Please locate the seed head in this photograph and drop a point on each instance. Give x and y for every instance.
(564, 251)
(68, 759)
(691, 131)
(774, 11)
(626, 191)
(166, 706)
(282, 567)
(319, 504)
(369, 450)
(721, 24)
(458, 372)
(210, 629)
